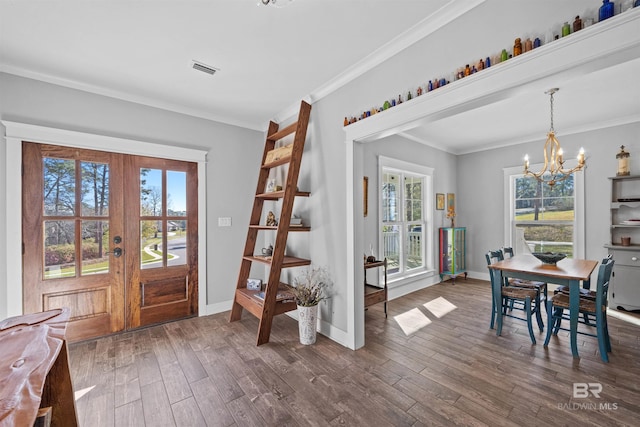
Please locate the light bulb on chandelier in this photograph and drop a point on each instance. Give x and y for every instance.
(553, 170)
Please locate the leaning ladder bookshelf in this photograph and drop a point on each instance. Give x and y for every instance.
(271, 305)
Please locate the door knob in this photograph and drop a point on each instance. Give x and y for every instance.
(117, 240)
(634, 258)
(117, 252)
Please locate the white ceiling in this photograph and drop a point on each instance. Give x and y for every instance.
(270, 58)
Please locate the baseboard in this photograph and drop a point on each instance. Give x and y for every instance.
(216, 308)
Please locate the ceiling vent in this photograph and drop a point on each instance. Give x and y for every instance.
(204, 68)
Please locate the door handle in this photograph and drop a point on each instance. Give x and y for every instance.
(117, 252)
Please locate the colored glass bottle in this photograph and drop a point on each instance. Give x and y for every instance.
(467, 70)
(430, 86)
(636, 3)
(537, 43)
(386, 105)
(605, 11)
(409, 96)
(487, 62)
(517, 47)
(566, 29)
(528, 45)
(504, 55)
(577, 24)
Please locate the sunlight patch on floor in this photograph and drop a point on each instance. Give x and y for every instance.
(79, 393)
(412, 321)
(627, 317)
(439, 307)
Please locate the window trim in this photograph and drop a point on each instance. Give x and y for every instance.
(402, 166)
(579, 240)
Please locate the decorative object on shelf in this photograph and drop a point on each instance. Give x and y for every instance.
(308, 290)
(566, 29)
(625, 241)
(623, 162)
(271, 219)
(440, 201)
(451, 208)
(267, 251)
(550, 258)
(517, 47)
(254, 284)
(271, 185)
(577, 24)
(553, 160)
(605, 11)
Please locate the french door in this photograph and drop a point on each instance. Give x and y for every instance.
(113, 237)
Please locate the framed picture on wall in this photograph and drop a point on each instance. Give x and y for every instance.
(451, 202)
(440, 201)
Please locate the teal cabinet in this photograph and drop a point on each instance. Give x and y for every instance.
(453, 252)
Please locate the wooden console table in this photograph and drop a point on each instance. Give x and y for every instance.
(35, 382)
(374, 294)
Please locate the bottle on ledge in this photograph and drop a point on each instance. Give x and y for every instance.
(605, 11)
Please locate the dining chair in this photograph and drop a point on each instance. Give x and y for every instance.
(525, 299)
(541, 287)
(585, 291)
(597, 308)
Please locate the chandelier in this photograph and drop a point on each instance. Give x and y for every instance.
(553, 170)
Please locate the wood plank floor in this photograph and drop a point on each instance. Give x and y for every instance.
(453, 371)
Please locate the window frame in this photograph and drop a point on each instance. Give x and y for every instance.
(512, 173)
(407, 168)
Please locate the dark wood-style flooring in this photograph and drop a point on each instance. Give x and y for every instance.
(454, 371)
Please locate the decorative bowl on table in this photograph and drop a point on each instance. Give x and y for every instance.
(549, 257)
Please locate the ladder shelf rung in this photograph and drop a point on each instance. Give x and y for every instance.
(275, 227)
(275, 195)
(287, 262)
(283, 132)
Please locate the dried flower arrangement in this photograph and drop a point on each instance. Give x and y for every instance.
(451, 214)
(311, 287)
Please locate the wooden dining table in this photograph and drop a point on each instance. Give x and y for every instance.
(569, 272)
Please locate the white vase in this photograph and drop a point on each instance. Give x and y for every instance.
(307, 323)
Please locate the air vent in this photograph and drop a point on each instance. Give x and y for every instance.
(204, 68)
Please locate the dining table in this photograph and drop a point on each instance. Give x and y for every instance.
(568, 272)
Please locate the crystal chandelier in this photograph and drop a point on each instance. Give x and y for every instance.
(553, 170)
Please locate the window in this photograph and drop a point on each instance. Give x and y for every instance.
(405, 217)
(543, 218)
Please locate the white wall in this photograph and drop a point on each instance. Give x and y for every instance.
(233, 160)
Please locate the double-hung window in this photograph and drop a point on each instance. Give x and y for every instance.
(405, 217)
(544, 218)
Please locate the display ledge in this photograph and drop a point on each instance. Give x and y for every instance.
(618, 205)
(623, 248)
(275, 195)
(595, 48)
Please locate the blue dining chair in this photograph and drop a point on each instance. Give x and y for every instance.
(541, 287)
(595, 307)
(525, 299)
(585, 291)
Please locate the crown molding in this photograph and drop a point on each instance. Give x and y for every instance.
(124, 96)
(448, 12)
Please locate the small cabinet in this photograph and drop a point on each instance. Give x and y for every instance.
(452, 252)
(373, 294)
(624, 244)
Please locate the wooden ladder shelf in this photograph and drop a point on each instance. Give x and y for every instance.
(265, 309)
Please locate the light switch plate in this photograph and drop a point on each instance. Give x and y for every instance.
(224, 221)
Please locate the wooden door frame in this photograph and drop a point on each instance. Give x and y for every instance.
(17, 132)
